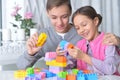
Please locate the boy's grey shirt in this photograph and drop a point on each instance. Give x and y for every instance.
(50, 45)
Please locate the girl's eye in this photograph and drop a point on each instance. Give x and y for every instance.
(84, 24)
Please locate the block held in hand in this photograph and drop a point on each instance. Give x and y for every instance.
(41, 39)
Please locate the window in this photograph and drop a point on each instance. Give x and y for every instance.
(5, 14)
(0, 20)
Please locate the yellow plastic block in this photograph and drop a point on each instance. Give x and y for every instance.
(20, 74)
(54, 63)
(41, 39)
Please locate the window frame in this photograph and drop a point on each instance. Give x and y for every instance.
(0, 20)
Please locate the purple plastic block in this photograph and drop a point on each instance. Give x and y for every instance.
(66, 45)
(48, 59)
(52, 78)
(32, 78)
(55, 69)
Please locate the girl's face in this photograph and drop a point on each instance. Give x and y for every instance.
(86, 27)
(59, 17)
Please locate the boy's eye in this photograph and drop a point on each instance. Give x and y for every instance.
(53, 17)
(65, 16)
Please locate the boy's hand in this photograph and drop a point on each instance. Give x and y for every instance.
(111, 39)
(31, 44)
(59, 51)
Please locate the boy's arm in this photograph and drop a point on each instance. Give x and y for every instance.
(27, 60)
(109, 65)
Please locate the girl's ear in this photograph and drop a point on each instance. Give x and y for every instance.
(96, 21)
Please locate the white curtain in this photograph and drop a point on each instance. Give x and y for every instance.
(109, 9)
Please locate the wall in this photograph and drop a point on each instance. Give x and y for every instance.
(109, 9)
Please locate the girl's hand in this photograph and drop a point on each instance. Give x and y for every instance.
(111, 39)
(31, 44)
(59, 51)
(76, 53)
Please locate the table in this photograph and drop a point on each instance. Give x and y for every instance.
(10, 51)
(9, 75)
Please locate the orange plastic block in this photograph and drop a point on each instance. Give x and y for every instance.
(86, 71)
(61, 59)
(37, 70)
(41, 39)
(70, 46)
(20, 74)
(71, 77)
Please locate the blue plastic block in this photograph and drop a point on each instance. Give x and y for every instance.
(62, 44)
(49, 74)
(81, 77)
(80, 72)
(91, 76)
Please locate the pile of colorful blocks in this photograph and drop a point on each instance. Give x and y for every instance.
(42, 74)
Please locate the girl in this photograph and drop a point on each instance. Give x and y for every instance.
(91, 53)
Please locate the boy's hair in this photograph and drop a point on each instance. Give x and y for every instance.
(57, 3)
(88, 11)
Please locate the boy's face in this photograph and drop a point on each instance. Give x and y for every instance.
(59, 17)
(86, 27)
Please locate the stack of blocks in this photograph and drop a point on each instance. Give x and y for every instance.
(56, 62)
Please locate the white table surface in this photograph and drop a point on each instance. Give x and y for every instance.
(9, 75)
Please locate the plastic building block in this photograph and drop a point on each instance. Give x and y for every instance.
(92, 76)
(50, 74)
(20, 74)
(62, 74)
(75, 71)
(54, 63)
(70, 46)
(36, 70)
(55, 69)
(41, 39)
(50, 56)
(86, 71)
(65, 45)
(30, 71)
(42, 74)
(61, 59)
(33, 77)
(81, 77)
(71, 77)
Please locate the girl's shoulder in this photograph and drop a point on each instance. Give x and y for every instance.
(81, 42)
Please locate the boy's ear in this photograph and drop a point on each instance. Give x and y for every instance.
(47, 12)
